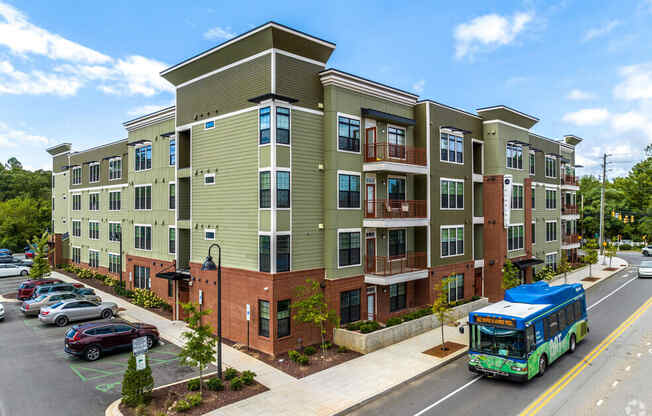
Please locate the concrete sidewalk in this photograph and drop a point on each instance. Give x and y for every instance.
(597, 270)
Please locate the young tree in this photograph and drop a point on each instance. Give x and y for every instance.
(313, 309)
(591, 257)
(564, 267)
(40, 267)
(199, 349)
(137, 385)
(511, 275)
(441, 308)
(611, 252)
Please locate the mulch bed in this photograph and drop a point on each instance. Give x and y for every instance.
(163, 398)
(611, 269)
(590, 279)
(440, 352)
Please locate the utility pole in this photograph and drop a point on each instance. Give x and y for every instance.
(604, 180)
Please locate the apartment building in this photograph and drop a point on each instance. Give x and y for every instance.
(299, 171)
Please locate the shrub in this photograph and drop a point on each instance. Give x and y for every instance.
(342, 349)
(193, 385)
(214, 384)
(147, 299)
(328, 345)
(111, 282)
(475, 297)
(370, 326)
(293, 355)
(309, 350)
(236, 383)
(625, 247)
(303, 359)
(137, 385)
(393, 321)
(191, 400)
(247, 377)
(230, 373)
(355, 326)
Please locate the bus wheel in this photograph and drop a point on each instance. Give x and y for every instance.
(543, 362)
(572, 345)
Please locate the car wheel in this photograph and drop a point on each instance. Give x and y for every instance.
(572, 345)
(150, 342)
(24, 273)
(543, 363)
(61, 321)
(106, 314)
(92, 353)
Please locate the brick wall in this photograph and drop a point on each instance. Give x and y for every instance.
(495, 236)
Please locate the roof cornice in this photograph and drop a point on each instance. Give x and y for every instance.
(352, 82)
(163, 114)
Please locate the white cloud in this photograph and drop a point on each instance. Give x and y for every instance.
(418, 86)
(145, 109)
(587, 116)
(141, 75)
(487, 32)
(18, 138)
(15, 82)
(600, 31)
(637, 83)
(219, 33)
(578, 95)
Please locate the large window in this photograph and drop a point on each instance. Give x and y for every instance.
(451, 148)
(532, 167)
(397, 296)
(396, 243)
(76, 175)
(349, 134)
(114, 263)
(93, 172)
(172, 240)
(282, 253)
(534, 199)
(94, 201)
(452, 194)
(349, 248)
(514, 155)
(349, 191)
(173, 152)
(515, 237)
(172, 188)
(264, 253)
(143, 197)
(93, 230)
(282, 189)
(551, 167)
(115, 168)
(551, 261)
(115, 231)
(349, 306)
(76, 255)
(452, 241)
(396, 140)
(143, 158)
(114, 201)
(143, 237)
(517, 196)
(551, 230)
(263, 318)
(396, 189)
(282, 125)
(534, 232)
(94, 258)
(265, 190)
(142, 278)
(283, 318)
(456, 288)
(76, 202)
(551, 199)
(265, 124)
(76, 228)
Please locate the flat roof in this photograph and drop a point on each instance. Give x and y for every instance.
(515, 309)
(504, 107)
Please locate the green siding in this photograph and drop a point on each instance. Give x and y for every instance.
(265, 220)
(282, 156)
(265, 156)
(98, 155)
(299, 80)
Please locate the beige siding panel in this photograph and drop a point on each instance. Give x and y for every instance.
(282, 156)
(283, 220)
(265, 221)
(265, 156)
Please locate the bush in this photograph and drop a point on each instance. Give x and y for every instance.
(193, 385)
(475, 297)
(328, 345)
(230, 373)
(191, 400)
(309, 350)
(147, 299)
(393, 321)
(342, 349)
(355, 326)
(370, 326)
(303, 359)
(625, 247)
(137, 385)
(236, 383)
(293, 355)
(247, 377)
(214, 384)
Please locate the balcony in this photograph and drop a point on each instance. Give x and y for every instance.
(568, 239)
(386, 213)
(411, 266)
(569, 180)
(569, 210)
(395, 157)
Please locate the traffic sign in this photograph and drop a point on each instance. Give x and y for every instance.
(248, 312)
(139, 345)
(141, 362)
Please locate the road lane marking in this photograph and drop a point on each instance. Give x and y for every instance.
(599, 403)
(628, 368)
(612, 293)
(451, 394)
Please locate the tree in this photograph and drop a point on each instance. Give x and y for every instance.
(611, 252)
(511, 275)
(199, 348)
(591, 257)
(313, 309)
(22, 218)
(441, 308)
(137, 385)
(41, 266)
(564, 267)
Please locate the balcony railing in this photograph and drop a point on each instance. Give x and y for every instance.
(568, 180)
(570, 239)
(391, 265)
(568, 209)
(387, 152)
(387, 208)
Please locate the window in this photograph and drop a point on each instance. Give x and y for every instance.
(93, 230)
(172, 188)
(173, 152)
(209, 179)
(209, 234)
(517, 196)
(349, 249)
(143, 158)
(551, 325)
(349, 306)
(265, 190)
(551, 167)
(93, 258)
(172, 240)
(143, 237)
(263, 318)
(93, 172)
(514, 155)
(282, 253)
(114, 263)
(551, 261)
(264, 117)
(396, 141)
(396, 243)
(94, 202)
(141, 277)
(115, 231)
(170, 288)
(282, 189)
(114, 201)
(283, 318)
(76, 175)
(349, 134)
(396, 189)
(452, 241)
(264, 253)
(532, 168)
(76, 228)
(76, 255)
(451, 148)
(115, 168)
(551, 199)
(76, 202)
(515, 237)
(534, 233)
(397, 296)
(282, 125)
(143, 197)
(456, 288)
(534, 200)
(561, 317)
(349, 191)
(570, 314)
(209, 125)
(551, 231)
(452, 194)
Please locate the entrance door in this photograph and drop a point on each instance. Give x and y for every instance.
(371, 307)
(371, 198)
(371, 143)
(371, 255)
(477, 282)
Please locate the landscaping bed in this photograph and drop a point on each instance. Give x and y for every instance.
(441, 351)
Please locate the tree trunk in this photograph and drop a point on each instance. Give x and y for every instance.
(443, 344)
(323, 343)
(200, 383)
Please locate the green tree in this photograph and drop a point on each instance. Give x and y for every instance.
(511, 275)
(591, 258)
(564, 267)
(441, 307)
(137, 385)
(41, 266)
(199, 348)
(312, 308)
(611, 252)
(22, 218)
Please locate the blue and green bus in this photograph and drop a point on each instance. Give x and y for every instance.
(519, 337)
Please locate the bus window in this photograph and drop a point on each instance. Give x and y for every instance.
(531, 340)
(578, 309)
(553, 325)
(546, 328)
(562, 319)
(570, 314)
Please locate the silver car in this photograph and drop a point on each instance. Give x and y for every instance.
(2, 312)
(87, 293)
(76, 310)
(33, 306)
(645, 269)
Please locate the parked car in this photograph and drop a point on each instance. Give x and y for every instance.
(76, 310)
(26, 263)
(87, 293)
(91, 340)
(2, 312)
(29, 253)
(5, 252)
(647, 251)
(10, 269)
(27, 288)
(56, 288)
(645, 269)
(32, 307)
(9, 259)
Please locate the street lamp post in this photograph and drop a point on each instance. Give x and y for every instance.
(210, 265)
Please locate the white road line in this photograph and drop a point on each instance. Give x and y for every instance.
(613, 292)
(599, 403)
(447, 396)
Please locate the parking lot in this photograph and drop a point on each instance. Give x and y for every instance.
(38, 377)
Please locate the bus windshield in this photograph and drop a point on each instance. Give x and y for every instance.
(498, 341)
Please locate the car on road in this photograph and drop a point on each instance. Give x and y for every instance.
(2, 312)
(647, 251)
(56, 288)
(27, 288)
(92, 340)
(63, 312)
(32, 307)
(87, 293)
(10, 269)
(645, 269)
(9, 259)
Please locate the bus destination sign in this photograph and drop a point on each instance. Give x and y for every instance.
(495, 321)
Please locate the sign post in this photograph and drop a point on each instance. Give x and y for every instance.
(139, 347)
(248, 319)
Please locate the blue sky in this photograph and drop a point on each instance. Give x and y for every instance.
(76, 71)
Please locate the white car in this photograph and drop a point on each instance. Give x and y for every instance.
(647, 251)
(2, 312)
(11, 269)
(645, 269)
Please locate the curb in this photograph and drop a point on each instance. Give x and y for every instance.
(598, 283)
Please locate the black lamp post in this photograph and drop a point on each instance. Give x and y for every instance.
(210, 265)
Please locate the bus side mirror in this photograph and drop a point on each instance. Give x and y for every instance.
(461, 329)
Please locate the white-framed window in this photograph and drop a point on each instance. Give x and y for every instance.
(534, 198)
(172, 240)
(515, 240)
(93, 230)
(264, 253)
(76, 255)
(209, 125)
(143, 158)
(143, 236)
(93, 172)
(173, 152)
(76, 228)
(283, 189)
(265, 189)
(451, 148)
(114, 200)
(452, 193)
(534, 232)
(517, 196)
(551, 199)
(348, 247)
(348, 133)
(452, 240)
(348, 194)
(551, 231)
(76, 202)
(551, 167)
(532, 165)
(143, 197)
(264, 125)
(76, 175)
(283, 249)
(93, 258)
(282, 125)
(514, 156)
(115, 168)
(456, 288)
(142, 279)
(114, 263)
(551, 261)
(115, 231)
(209, 179)
(209, 234)
(172, 192)
(94, 201)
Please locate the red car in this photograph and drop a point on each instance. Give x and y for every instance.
(92, 340)
(28, 287)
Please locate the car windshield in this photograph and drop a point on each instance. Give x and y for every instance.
(26, 286)
(646, 264)
(40, 298)
(498, 341)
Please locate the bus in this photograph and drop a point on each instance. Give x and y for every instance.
(520, 336)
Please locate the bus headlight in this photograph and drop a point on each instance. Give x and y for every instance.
(519, 367)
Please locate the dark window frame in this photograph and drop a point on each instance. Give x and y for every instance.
(263, 318)
(349, 310)
(264, 125)
(348, 254)
(283, 318)
(347, 196)
(283, 186)
(350, 141)
(264, 253)
(398, 299)
(265, 189)
(283, 253)
(282, 133)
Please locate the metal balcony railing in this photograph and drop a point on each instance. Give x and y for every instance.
(397, 153)
(391, 265)
(387, 208)
(569, 180)
(569, 209)
(570, 239)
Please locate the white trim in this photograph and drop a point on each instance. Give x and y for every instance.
(349, 173)
(395, 279)
(109, 231)
(355, 83)
(98, 230)
(273, 72)
(299, 57)
(151, 233)
(97, 188)
(506, 124)
(156, 117)
(224, 68)
(440, 194)
(337, 132)
(454, 134)
(514, 184)
(113, 159)
(394, 222)
(507, 236)
(448, 107)
(455, 227)
(58, 173)
(72, 228)
(349, 230)
(307, 110)
(220, 117)
(393, 167)
(109, 201)
(210, 230)
(72, 175)
(478, 220)
(209, 175)
(502, 107)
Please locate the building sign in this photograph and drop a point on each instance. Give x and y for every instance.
(507, 199)
(139, 345)
(141, 362)
(495, 321)
(65, 236)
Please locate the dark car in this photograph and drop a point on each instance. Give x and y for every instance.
(55, 288)
(93, 339)
(5, 252)
(9, 259)
(27, 288)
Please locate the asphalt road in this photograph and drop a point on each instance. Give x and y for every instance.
(453, 390)
(38, 378)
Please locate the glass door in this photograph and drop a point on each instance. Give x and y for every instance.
(371, 200)
(371, 144)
